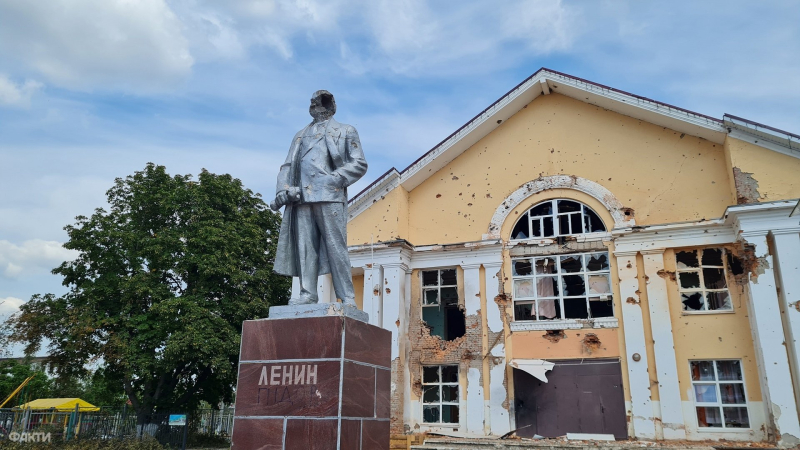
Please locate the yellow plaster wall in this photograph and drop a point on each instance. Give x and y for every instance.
(533, 345)
(385, 220)
(358, 286)
(656, 171)
(711, 336)
(778, 175)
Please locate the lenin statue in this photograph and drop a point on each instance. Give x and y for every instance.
(324, 159)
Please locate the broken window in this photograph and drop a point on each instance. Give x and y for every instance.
(557, 217)
(576, 286)
(440, 310)
(702, 281)
(719, 395)
(440, 394)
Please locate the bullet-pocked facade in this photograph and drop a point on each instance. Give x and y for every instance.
(578, 259)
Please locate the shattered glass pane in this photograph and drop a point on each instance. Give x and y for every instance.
(546, 286)
(523, 289)
(689, 280)
(735, 264)
(692, 301)
(450, 296)
(572, 263)
(575, 308)
(736, 417)
(542, 209)
(450, 393)
(449, 374)
(601, 308)
(687, 259)
(430, 277)
(434, 320)
(430, 414)
(599, 284)
(573, 285)
(705, 393)
(430, 374)
(714, 278)
(719, 300)
(521, 267)
(536, 228)
(430, 394)
(568, 206)
(596, 262)
(575, 224)
(709, 417)
(521, 229)
(523, 311)
(729, 370)
(431, 297)
(712, 257)
(545, 265)
(732, 393)
(449, 414)
(449, 277)
(592, 221)
(563, 225)
(702, 370)
(549, 309)
(549, 230)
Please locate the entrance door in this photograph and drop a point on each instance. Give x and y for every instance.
(579, 397)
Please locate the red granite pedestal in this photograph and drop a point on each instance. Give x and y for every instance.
(313, 383)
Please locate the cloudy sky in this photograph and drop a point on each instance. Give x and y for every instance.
(91, 90)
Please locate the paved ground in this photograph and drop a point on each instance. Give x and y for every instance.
(438, 443)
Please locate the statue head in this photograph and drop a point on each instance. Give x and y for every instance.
(323, 106)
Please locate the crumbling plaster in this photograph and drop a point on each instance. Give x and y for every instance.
(760, 175)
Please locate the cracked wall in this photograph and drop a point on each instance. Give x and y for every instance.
(760, 175)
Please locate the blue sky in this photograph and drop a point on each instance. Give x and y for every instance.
(91, 90)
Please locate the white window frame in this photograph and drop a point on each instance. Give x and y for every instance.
(585, 273)
(702, 289)
(556, 222)
(718, 404)
(441, 402)
(438, 287)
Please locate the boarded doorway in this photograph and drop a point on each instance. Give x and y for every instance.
(581, 396)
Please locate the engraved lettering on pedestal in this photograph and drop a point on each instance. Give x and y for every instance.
(288, 384)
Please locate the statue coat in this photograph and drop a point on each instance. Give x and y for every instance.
(349, 165)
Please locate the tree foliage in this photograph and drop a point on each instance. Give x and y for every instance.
(160, 288)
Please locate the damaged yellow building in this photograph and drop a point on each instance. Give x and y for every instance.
(579, 259)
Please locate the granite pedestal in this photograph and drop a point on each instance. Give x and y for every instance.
(313, 378)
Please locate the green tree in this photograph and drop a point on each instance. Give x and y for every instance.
(13, 373)
(160, 288)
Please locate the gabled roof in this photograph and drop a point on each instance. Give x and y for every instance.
(545, 81)
(60, 404)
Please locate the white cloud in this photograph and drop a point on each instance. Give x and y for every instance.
(86, 44)
(9, 306)
(17, 95)
(32, 256)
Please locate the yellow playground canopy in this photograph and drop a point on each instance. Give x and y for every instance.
(60, 404)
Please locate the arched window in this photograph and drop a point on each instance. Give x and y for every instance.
(557, 217)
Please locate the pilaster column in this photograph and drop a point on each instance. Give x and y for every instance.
(768, 339)
(394, 295)
(633, 322)
(372, 294)
(472, 303)
(497, 418)
(787, 256)
(672, 421)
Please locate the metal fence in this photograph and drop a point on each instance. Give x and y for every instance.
(115, 423)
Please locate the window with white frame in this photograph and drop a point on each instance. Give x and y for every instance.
(440, 310)
(558, 217)
(440, 394)
(702, 275)
(719, 394)
(574, 286)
